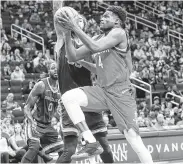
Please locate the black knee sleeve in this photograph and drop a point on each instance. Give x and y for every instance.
(106, 156)
(70, 144)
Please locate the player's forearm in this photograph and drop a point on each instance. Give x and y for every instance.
(28, 115)
(90, 66)
(69, 48)
(87, 40)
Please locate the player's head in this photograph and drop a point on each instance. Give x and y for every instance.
(114, 16)
(82, 22)
(53, 71)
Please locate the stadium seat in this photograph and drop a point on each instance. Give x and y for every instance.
(7, 77)
(18, 97)
(3, 96)
(5, 83)
(25, 84)
(29, 76)
(5, 89)
(15, 86)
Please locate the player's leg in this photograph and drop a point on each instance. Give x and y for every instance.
(70, 138)
(32, 152)
(138, 146)
(70, 144)
(93, 98)
(33, 141)
(50, 142)
(123, 109)
(106, 156)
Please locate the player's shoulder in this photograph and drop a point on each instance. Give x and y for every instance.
(118, 31)
(39, 86)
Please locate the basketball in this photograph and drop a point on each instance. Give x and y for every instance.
(69, 10)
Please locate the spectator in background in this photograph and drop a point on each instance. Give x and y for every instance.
(41, 68)
(47, 29)
(17, 55)
(5, 45)
(22, 68)
(25, 45)
(176, 91)
(35, 18)
(7, 127)
(177, 113)
(17, 74)
(29, 87)
(160, 122)
(169, 120)
(7, 70)
(17, 22)
(5, 149)
(9, 104)
(38, 30)
(141, 119)
(26, 25)
(156, 103)
(17, 141)
(151, 118)
(180, 122)
(29, 67)
(36, 59)
(14, 41)
(19, 13)
(139, 53)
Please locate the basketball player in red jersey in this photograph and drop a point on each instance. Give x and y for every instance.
(70, 76)
(114, 90)
(44, 99)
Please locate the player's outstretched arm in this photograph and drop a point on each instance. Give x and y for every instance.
(89, 66)
(32, 98)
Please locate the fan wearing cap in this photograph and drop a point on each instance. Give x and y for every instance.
(156, 103)
(113, 90)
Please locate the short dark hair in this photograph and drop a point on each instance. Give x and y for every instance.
(118, 11)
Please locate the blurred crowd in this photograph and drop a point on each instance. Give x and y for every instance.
(156, 60)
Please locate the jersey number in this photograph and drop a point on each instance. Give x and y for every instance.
(100, 62)
(50, 107)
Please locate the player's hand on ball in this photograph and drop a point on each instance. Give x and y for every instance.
(68, 22)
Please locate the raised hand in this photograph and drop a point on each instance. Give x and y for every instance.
(68, 22)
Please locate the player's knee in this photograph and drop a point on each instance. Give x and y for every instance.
(76, 96)
(69, 97)
(130, 133)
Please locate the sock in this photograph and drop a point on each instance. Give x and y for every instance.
(88, 136)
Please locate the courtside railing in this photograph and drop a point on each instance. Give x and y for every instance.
(176, 35)
(148, 90)
(174, 96)
(158, 13)
(135, 18)
(27, 34)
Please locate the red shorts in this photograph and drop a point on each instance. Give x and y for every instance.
(118, 99)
